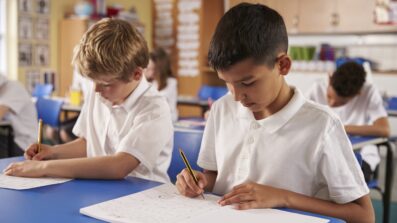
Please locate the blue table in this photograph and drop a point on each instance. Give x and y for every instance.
(62, 202)
(392, 106)
(360, 141)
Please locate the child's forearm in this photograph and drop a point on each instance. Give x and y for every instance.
(211, 177)
(367, 130)
(360, 210)
(115, 166)
(74, 149)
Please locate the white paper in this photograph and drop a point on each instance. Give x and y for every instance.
(22, 183)
(164, 204)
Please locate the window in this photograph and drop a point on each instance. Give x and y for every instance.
(3, 61)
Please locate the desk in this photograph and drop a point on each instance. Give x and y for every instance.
(360, 141)
(62, 202)
(392, 107)
(193, 101)
(10, 136)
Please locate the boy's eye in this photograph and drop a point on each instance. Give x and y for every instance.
(247, 83)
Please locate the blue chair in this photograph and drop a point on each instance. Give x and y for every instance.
(42, 90)
(189, 141)
(213, 92)
(49, 111)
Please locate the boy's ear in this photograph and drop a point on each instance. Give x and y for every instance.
(284, 64)
(138, 72)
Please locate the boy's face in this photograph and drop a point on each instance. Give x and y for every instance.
(334, 100)
(114, 90)
(254, 86)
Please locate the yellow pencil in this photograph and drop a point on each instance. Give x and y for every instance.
(39, 136)
(189, 168)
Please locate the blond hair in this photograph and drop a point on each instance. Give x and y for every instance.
(111, 47)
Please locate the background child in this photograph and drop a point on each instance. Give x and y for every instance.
(16, 106)
(118, 119)
(261, 147)
(358, 104)
(160, 74)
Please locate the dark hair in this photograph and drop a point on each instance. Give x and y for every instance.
(162, 67)
(248, 31)
(348, 79)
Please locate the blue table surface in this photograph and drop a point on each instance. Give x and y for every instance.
(62, 202)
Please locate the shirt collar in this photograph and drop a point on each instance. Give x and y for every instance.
(280, 118)
(131, 99)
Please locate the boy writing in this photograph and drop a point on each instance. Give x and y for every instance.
(117, 122)
(261, 147)
(358, 104)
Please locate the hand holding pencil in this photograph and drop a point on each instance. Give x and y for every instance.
(190, 183)
(38, 151)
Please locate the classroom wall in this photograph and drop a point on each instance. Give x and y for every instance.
(58, 10)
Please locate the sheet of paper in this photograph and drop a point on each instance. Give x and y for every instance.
(22, 183)
(164, 204)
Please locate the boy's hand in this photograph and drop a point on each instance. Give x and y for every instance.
(186, 185)
(29, 168)
(32, 152)
(253, 195)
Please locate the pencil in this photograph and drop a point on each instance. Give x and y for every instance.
(189, 168)
(39, 136)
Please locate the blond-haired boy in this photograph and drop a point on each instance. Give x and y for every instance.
(116, 124)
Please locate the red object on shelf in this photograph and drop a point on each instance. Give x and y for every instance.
(112, 11)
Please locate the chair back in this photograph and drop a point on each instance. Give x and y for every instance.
(42, 90)
(49, 110)
(213, 92)
(189, 141)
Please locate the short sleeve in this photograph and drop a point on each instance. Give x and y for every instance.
(80, 128)
(11, 97)
(375, 109)
(150, 134)
(338, 167)
(207, 155)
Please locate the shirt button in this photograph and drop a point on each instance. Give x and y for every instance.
(254, 125)
(250, 140)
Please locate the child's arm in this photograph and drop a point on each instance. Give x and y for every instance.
(187, 187)
(74, 149)
(3, 111)
(252, 195)
(379, 128)
(115, 166)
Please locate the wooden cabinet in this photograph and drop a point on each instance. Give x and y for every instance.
(70, 33)
(324, 16)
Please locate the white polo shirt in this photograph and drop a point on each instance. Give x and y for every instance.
(170, 92)
(364, 109)
(140, 126)
(22, 115)
(301, 148)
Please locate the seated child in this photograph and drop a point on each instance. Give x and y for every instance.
(118, 120)
(358, 104)
(265, 145)
(16, 106)
(160, 74)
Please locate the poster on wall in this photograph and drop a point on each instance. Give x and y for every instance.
(42, 55)
(25, 6)
(25, 27)
(42, 6)
(25, 55)
(32, 77)
(41, 29)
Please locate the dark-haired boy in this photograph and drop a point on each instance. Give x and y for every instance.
(358, 104)
(264, 144)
